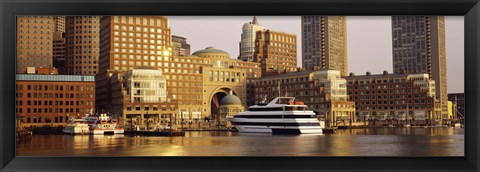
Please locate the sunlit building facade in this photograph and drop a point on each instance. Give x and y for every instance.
(139, 96)
(59, 23)
(34, 41)
(248, 37)
(276, 51)
(82, 44)
(44, 99)
(128, 42)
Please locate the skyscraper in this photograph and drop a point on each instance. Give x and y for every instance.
(247, 44)
(34, 42)
(324, 43)
(82, 44)
(276, 51)
(128, 42)
(419, 47)
(180, 46)
(59, 61)
(59, 23)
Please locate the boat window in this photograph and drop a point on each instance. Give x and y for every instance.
(266, 109)
(294, 108)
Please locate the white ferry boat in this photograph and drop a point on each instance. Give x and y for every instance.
(103, 124)
(76, 126)
(281, 116)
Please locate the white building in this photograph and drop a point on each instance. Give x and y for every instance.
(333, 84)
(146, 86)
(247, 44)
(424, 82)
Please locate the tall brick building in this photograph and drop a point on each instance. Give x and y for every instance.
(276, 51)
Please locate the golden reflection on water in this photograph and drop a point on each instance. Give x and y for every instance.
(354, 142)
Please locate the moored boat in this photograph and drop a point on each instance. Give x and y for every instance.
(103, 124)
(76, 126)
(283, 115)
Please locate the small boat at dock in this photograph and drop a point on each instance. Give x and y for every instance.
(76, 126)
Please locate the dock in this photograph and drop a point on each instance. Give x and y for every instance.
(23, 135)
(47, 130)
(156, 133)
(330, 130)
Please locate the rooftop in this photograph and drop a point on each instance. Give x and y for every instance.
(58, 78)
(210, 50)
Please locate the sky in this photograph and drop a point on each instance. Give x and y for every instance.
(369, 40)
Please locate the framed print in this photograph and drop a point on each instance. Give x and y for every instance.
(230, 86)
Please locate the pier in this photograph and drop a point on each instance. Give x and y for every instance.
(23, 135)
(156, 133)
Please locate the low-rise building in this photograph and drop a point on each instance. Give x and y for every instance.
(139, 97)
(393, 96)
(323, 91)
(49, 99)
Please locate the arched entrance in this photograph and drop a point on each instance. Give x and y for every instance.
(217, 98)
(215, 103)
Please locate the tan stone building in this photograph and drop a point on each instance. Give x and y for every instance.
(323, 91)
(34, 40)
(324, 43)
(195, 86)
(393, 96)
(82, 44)
(419, 47)
(222, 74)
(276, 51)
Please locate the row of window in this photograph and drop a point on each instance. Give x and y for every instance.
(38, 119)
(55, 103)
(54, 95)
(148, 107)
(52, 110)
(41, 87)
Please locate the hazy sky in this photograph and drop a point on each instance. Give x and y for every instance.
(369, 40)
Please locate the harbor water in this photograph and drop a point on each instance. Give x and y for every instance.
(416, 142)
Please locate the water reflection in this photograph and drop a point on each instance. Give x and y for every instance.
(354, 142)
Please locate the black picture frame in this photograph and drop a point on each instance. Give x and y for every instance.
(10, 8)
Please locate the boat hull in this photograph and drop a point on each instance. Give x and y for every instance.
(76, 130)
(106, 131)
(279, 129)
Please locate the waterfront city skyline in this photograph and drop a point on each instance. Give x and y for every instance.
(180, 81)
(226, 31)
